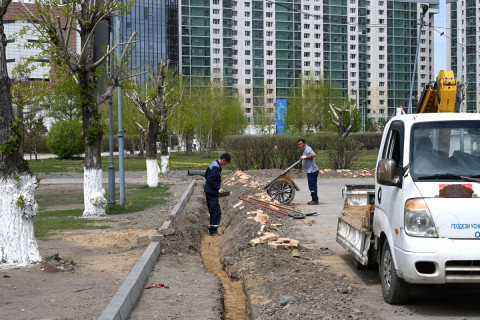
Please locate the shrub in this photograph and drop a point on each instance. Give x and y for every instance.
(65, 139)
(341, 153)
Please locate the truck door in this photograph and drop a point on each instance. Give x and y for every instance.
(389, 199)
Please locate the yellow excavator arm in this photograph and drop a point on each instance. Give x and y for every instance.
(439, 96)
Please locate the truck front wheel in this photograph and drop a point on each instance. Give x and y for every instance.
(395, 290)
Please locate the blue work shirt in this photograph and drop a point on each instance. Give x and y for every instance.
(309, 165)
(213, 177)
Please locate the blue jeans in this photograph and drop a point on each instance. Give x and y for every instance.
(312, 184)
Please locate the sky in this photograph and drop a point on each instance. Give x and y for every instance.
(440, 58)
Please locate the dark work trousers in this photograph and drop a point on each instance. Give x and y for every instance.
(214, 210)
(312, 184)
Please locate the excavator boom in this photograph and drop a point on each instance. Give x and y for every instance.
(439, 96)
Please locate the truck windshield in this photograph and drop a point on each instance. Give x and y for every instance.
(446, 150)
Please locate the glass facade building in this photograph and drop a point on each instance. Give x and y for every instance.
(156, 24)
(261, 48)
(463, 53)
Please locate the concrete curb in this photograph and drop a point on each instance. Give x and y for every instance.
(127, 296)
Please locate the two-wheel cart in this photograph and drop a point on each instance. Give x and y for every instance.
(282, 188)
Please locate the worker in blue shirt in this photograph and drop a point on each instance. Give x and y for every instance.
(310, 168)
(213, 177)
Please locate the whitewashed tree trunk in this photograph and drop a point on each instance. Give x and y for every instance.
(18, 208)
(164, 163)
(93, 193)
(152, 173)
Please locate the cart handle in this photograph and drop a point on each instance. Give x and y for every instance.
(288, 169)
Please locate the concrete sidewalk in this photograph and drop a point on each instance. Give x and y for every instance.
(323, 232)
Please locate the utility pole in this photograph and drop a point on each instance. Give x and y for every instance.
(121, 155)
(422, 23)
(111, 167)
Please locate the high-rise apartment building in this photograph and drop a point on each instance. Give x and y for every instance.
(261, 47)
(463, 48)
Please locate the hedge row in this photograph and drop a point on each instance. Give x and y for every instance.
(266, 152)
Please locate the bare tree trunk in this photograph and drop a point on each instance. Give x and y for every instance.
(93, 191)
(151, 153)
(18, 208)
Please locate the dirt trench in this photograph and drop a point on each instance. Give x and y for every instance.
(233, 295)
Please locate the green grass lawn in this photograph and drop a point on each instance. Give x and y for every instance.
(51, 222)
(179, 161)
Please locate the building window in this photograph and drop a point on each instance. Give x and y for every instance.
(247, 33)
(247, 91)
(247, 81)
(247, 52)
(269, 14)
(269, 81)
(269, 33)
(269, 62)
(216, 41)
(217, 11)
(216, 21)
(216, 51)
(247, 23)
(269, 24)
(247, 100)
(216, 31)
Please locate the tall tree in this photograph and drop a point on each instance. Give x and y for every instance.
(158, 105)
(17, 184)
(308, 104)
(57, 21)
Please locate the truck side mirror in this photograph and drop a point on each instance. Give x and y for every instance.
(386, 170)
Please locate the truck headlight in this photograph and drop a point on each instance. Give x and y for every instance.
(418, 220)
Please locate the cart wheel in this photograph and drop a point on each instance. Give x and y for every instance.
(282, 190)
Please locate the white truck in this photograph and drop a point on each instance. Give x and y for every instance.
(420, 222)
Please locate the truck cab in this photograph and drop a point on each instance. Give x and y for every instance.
(425, 220)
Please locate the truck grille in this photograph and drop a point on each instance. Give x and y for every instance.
(462, 271)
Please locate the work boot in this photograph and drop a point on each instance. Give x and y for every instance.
(214, 234)
(313, 202)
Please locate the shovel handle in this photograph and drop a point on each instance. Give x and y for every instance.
(261, 205)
